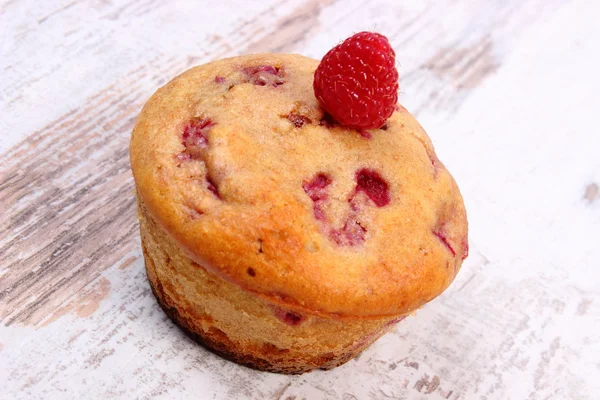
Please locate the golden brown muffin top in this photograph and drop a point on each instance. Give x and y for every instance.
(236, 160)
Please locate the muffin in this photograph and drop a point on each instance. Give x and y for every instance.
(276, 237)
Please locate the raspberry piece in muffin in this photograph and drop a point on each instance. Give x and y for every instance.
(351, 234)
(374, 186)
(195, 138)
(316, 189)
(289, 317)
(265, 75)
(440, 234)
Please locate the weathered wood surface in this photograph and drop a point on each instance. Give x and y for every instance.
(509, 92)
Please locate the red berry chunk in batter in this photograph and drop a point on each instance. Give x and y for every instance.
(441, 234)
(265, 75)
(315, 188)
(374, 186)
(195, 135)
(351, 234)
(289, 317)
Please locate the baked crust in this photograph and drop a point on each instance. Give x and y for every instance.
(242, 327)
(263, 221)
(219, 344)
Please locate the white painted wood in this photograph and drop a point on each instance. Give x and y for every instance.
(508, 91)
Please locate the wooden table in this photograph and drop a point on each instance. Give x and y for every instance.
(509, 92)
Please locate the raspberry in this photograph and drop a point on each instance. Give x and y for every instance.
(194, 134)
(265, 75)
(316, 190)
(357, 81)
(289, 317)
(351, 234)
(374, 186)
(441, 234)
(195, 140)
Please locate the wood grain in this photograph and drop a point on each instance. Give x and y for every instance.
(82, 220)
(507, 92)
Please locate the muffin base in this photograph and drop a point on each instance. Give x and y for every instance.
(225, 349)
(245, 328)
